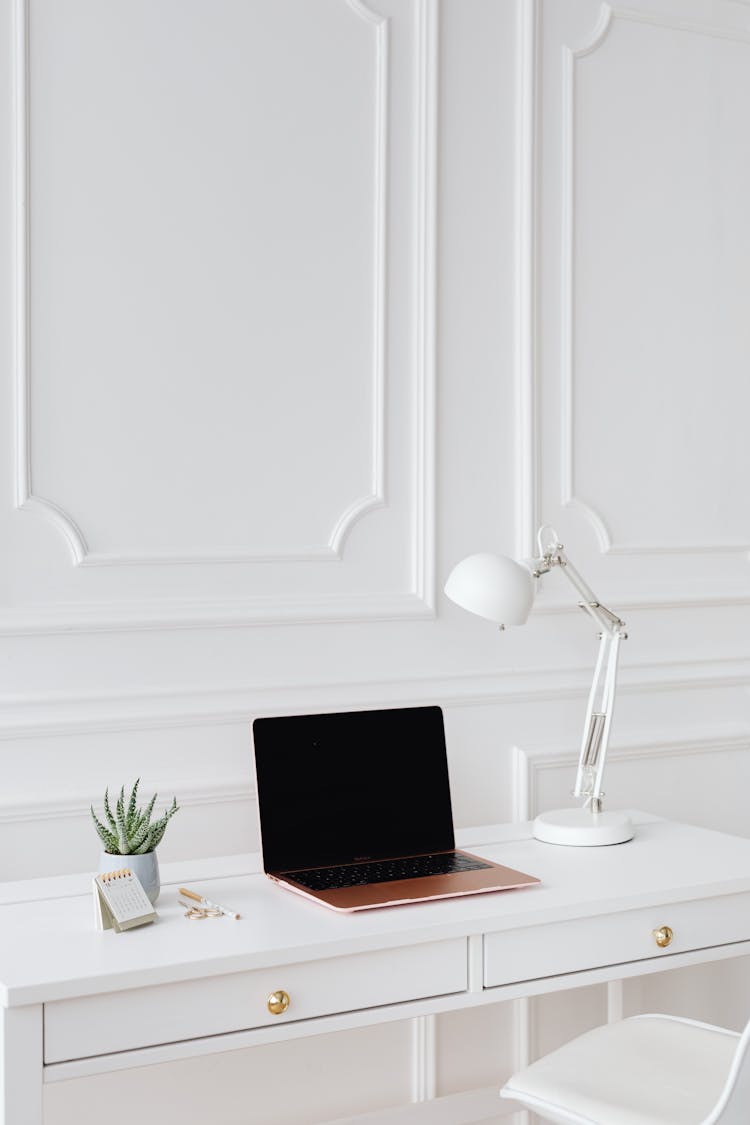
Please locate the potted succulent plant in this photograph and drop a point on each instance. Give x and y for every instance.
(130, 837)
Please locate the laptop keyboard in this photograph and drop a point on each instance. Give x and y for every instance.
(385, 871)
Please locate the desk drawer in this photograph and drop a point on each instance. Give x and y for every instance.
(143, 1017)
(611, 939)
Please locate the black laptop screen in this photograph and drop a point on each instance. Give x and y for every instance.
(355, 785)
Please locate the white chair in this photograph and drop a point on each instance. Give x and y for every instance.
(646, 1070)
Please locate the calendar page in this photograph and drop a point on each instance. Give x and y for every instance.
(120, 901)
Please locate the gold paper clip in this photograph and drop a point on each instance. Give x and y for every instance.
(198, 913)
(213, 908)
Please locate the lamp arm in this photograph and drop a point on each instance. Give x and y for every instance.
(551, 553)
(601, 699)
(598, 721)
(604, 617)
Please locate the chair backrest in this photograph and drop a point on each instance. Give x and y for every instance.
(733, 1107)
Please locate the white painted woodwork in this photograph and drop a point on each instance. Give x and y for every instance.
(305, 186)
(266, 385)
(21, 1039)
(262, 342)
(373, 1060)
(661, 343)
(573, 946)
(113, 999)
(643, 226)
(103, 1024)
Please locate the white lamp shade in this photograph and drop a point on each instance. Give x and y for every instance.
(494, 587)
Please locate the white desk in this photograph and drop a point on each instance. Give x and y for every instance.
(77, 1002)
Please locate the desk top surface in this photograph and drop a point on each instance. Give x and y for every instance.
(50, 950)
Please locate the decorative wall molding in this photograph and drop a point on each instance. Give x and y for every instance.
(424, 1058)
(376, 498)
(630, 602)
(45, 715)
(369, 15)
(696, 27)
(530, 762)
(420, 600)
(527, 391)
(608, 14)
(523, 1038)
(319, 609)
(570, 56)
(521, 804)
(62, 520)
(113, 617)
(229, 791)
(526, 270)
(21, 250)
(615, 1000)
(425, 469)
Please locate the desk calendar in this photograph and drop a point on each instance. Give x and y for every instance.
(120, 902)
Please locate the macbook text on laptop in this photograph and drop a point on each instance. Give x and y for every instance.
(355, 810)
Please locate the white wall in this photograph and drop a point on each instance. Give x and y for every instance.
(301, 301)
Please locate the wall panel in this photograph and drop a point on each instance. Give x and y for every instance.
(642, 337)
(120, 354)
(270, 1083)
(212, 392)
(657, 342)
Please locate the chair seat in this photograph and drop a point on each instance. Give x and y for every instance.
(647, 1070)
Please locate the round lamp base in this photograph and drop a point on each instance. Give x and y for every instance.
(582, 828)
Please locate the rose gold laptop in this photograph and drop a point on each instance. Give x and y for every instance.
(355, 810)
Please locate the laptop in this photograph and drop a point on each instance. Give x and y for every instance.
(355, 810)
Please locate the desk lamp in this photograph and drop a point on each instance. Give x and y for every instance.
(502, 590)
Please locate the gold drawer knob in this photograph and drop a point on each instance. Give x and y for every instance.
(278, 1002)
(663, 936)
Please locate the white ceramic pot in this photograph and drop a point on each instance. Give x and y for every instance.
(146, 867)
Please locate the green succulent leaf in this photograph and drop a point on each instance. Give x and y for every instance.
(161, 825)
(149, 809)
(138, 837)
(106, 837)
(148, 844)
(108, 812)
(158, 833)
(132, 811)
(122, 831)
(130, 828)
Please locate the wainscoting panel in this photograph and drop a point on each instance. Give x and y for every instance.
(285, 1083)
(213, 391)
(689, 779)
(644, 239)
